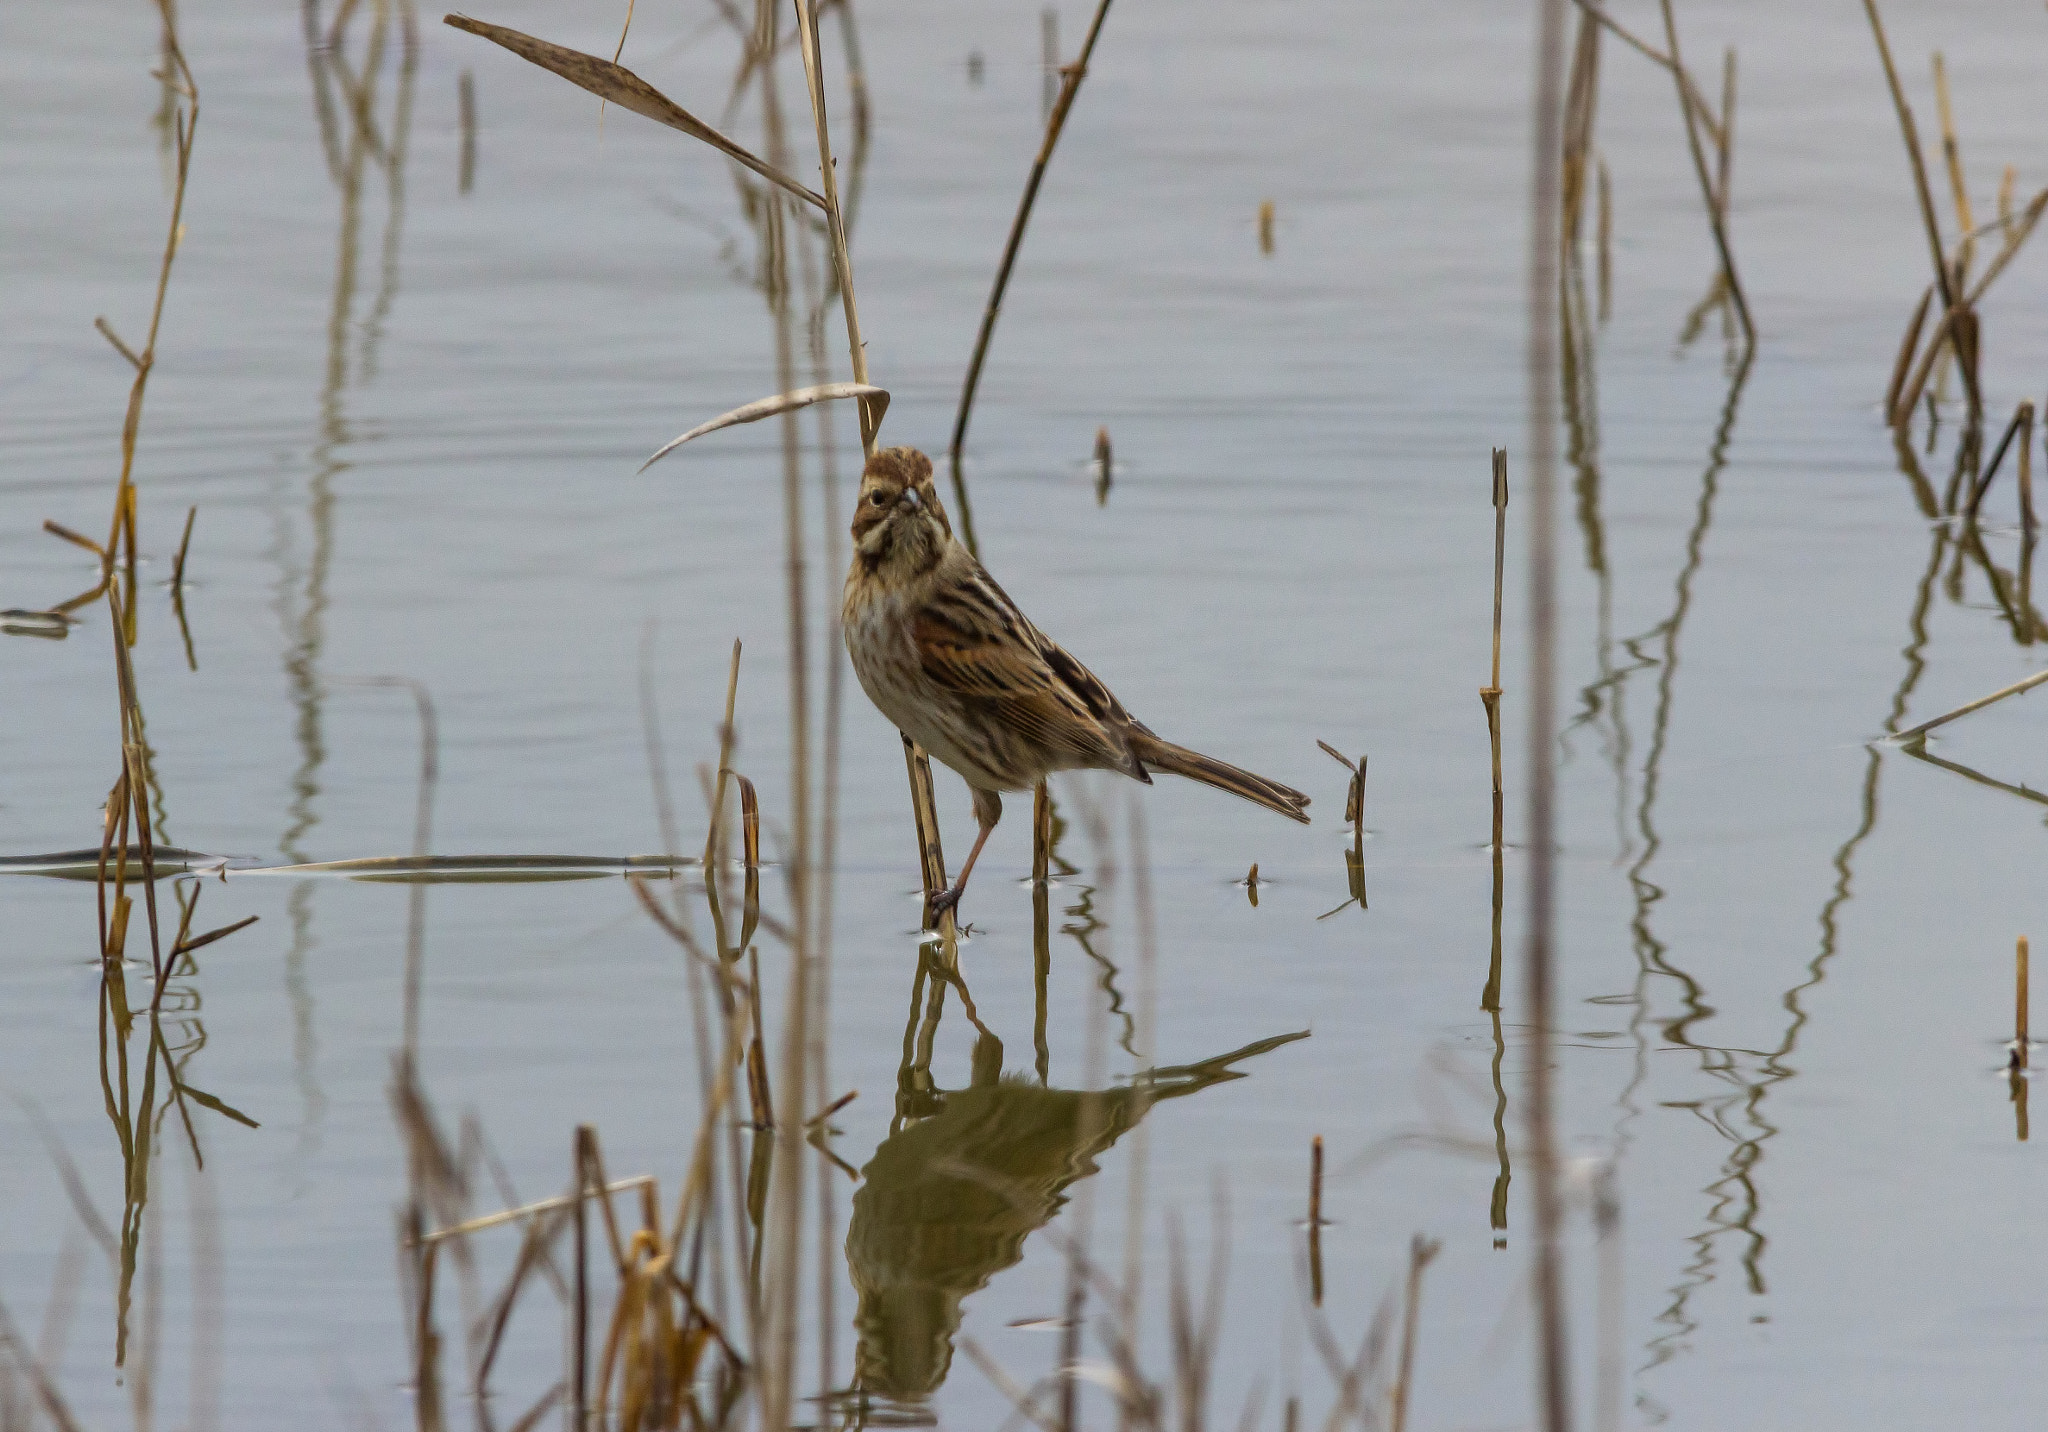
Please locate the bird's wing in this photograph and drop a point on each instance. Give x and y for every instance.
(974, 642)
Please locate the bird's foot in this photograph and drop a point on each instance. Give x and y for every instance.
(946, 900)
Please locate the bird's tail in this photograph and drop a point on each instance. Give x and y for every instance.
(1180, 761)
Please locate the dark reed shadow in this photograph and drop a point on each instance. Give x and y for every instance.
(1705, 126)
(1604, 700)
(361, 65)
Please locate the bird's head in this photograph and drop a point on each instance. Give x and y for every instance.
(899, 521)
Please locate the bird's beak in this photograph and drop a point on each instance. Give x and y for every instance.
(910, 499)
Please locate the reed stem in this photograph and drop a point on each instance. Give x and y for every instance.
(1315, 1219)
(1071, 77)
(2021, 1045)
(1716, 202)
(1553, 1359)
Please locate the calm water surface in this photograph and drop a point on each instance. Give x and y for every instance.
(410, 419)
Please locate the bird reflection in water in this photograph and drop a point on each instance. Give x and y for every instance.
(949, 1198)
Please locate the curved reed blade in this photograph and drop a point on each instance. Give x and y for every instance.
(628, 91)
(874, 400)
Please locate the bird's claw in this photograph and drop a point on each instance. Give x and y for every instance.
(945, 900)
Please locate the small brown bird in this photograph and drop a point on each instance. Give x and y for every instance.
(944, 653)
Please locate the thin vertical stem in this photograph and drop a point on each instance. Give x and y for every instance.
(1070, 85)
(1554, 1396)
(1717, 203)
(842, 260)
(1315, 1219)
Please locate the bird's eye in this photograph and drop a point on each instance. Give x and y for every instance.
(878, 499)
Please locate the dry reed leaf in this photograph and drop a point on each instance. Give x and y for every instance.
(875, 400)
(628, 91)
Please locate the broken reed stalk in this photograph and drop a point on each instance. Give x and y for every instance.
(1489, 695)
(1650, 52)
(1071, 77)
(1957, 324)
(1581, 103)
(2026, 473)
(1918, 734)
(1717, 204)
(465, 94)
(1910, 132)
(2022, 418)
(2021, 1045)
(1315, 1219)
(1903, 364)
(184, 546)
(579, 1360)
(1420, 1251)
(1952, 156)
(1553, 1359)
(725, 745)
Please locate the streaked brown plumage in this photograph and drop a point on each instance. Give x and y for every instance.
(944, 653)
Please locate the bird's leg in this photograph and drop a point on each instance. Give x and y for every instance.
(988, 809)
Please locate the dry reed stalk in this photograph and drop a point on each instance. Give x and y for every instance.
(2022, 227)
(1582, 97)
(18, 1355)
(1910, 133)
(2026, 473)
(2022, 417)
(842, 262)
(178, 82)
(1354, 816)
(1909, 396)
(1420, 1251)
(1908, 346)
(1958, 327)
(1606, 264)
(1952, 155)
(1716, 202)
(465, 97)
(579, 1353)
(1266, 227)
(1553, 1362)
(1315, 1219)
(1071, 77)
(1490, 694)
(1918, 734)
(184, 546)
(2021, 1045)
(1692, 93)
